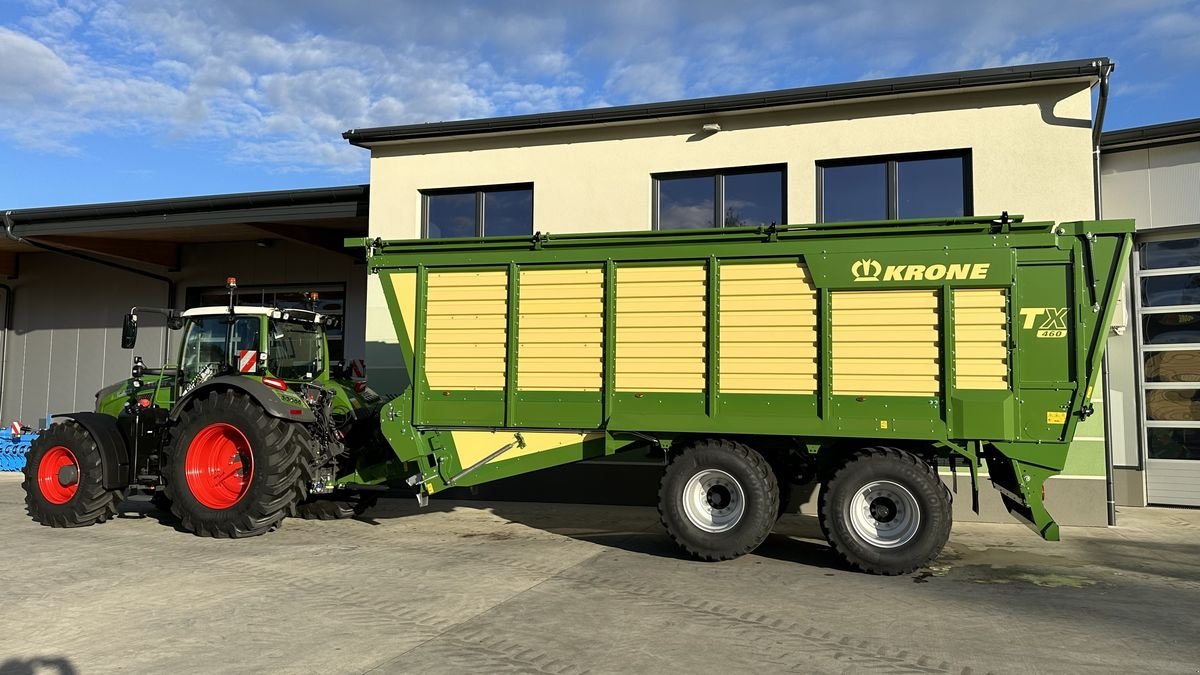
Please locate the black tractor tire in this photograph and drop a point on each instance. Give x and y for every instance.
(161, 501)
(885, 511)
(84, 501)
(718, 499)
(226, 429)
(333, 508)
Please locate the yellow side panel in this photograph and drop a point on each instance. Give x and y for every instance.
(980, 338)
(404, 284)
(473, 446)
(560, 330)
(465, 330)
(660, 318)
(885, 343)
(768, 338)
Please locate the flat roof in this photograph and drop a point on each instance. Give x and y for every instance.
(914, 84)
(327, 202)
(1154, 134)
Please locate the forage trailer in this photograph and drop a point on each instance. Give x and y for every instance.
(860, 355)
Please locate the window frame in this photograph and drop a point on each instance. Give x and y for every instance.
(480, 191)
(892, 177)
(718, 176)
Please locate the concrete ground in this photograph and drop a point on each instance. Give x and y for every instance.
(548, 588)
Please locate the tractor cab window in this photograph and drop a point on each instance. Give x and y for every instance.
(204, 354)
(297, 350)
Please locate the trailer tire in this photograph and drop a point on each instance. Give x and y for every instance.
(718, 499)
(330, 508)
(64, 479)
(226, 429)
(885, 511)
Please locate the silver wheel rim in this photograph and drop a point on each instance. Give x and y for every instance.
(713, 501)
(884, 514)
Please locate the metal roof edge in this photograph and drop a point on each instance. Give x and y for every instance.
(1153, 134)
(296, 202)
(934, 82)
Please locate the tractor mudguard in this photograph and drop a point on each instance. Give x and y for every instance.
(114, 450)
(287, 405)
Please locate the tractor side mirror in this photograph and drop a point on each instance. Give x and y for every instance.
(129, 332)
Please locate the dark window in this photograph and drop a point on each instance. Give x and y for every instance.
(927, 185)
(478, 212)
(721, 198)
(1171, 289)
(1174, 253)
(1165, 443)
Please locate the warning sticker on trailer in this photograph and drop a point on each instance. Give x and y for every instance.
(1056, 417)
(247, 358)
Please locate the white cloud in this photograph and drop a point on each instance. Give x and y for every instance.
(276, 81)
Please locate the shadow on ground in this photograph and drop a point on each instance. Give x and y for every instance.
(46, 665)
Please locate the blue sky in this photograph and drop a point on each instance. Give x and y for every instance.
(135, 99)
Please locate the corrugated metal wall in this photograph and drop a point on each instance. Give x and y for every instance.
(65, 341)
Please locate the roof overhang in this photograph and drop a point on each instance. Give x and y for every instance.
(1184, 131)
(151, 231)
(1083, 70)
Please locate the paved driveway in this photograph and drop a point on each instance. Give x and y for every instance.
(548, 588)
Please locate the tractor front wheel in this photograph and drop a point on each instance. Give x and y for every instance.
(233, 470)
(64, 481)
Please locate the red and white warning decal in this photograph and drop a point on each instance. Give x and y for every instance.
(358, 369)
(247, 358)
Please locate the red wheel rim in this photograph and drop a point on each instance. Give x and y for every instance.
(51, 476)
(219, 466)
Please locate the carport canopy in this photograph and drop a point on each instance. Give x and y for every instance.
(151, 232)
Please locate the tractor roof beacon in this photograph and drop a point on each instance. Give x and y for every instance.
(250, 425)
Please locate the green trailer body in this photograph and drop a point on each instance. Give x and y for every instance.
(977, 339)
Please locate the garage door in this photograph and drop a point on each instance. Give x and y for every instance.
(1169, 299)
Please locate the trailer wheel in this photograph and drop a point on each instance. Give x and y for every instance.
(718, 499)
(64, 481)
(885, 511)
(233, 470)
(330, 508)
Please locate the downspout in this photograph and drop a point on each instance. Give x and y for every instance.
(1109, 485)
(8, 230)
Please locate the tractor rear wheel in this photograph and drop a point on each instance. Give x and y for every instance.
(64, 481)
(718, 499)
(885, 511)
(233, 470)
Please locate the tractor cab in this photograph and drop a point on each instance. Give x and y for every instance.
(278, 346)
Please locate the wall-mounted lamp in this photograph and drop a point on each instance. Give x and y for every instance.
(711, 128)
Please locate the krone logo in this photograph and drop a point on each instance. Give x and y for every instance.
(866, 270)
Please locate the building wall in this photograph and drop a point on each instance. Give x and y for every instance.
(65, 341)
(1160, 188)
(1031, 154)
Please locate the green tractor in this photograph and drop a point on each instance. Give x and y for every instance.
(250, 427)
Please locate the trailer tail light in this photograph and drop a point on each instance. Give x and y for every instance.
(360, 386)
(275, 383)
(143, 403)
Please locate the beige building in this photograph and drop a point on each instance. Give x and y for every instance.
(1018, 139)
